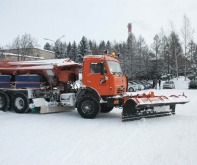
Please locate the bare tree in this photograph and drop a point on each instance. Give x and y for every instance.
(1, 53)
(141, 57)
(16, 45)
(187, 34)
(175, 51)
(130, 54)
(156, 49)
(24, 45)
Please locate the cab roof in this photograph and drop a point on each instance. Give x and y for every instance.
(101, 57)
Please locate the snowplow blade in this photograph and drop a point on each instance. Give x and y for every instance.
(148, 106)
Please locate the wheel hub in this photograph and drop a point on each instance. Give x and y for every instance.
(87, 107)
(19, 103)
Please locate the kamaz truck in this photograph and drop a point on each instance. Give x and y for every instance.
(51, 86)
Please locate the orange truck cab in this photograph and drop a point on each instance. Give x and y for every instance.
(103, 73)
(104, 85)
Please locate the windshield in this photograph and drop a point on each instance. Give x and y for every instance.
(114, 67)
(168, 82)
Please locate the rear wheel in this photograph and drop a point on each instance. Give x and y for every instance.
(20, 103)
(4, 101)
(105, 108)
(88, 107)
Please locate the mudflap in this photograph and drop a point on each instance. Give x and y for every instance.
(132, 112)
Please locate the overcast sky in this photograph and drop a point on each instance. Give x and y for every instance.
(95, 19)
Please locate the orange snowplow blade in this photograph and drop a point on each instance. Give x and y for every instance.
(151, 99)
(149, 105)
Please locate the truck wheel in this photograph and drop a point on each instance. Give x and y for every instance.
(4, 101)
(88, 107)
(105, 108)
(20, 103)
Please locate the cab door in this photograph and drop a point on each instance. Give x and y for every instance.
(98, 78)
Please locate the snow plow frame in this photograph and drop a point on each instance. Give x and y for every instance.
(149, 106)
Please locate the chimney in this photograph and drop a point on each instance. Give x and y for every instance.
(129, 29)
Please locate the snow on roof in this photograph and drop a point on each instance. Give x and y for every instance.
(106, 57)
(40, 64)
(43, 67)
(45, 50)
(36, 48)
(58, 62)
(16, 55)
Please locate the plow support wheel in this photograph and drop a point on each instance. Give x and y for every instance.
(129, 108)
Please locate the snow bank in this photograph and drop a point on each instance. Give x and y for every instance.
(66, 138)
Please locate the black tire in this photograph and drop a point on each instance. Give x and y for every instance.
(131, 89)
(105, 108)
(129, 108)
(20, 103)
(4, 101)
(88, 107)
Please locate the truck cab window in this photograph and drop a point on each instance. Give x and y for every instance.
(95, 68)
(114, 67)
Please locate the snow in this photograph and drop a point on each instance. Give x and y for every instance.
(66, 138)
(58, 62)
(39, 64)
(19, 55)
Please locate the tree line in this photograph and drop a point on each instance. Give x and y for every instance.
(174, 54)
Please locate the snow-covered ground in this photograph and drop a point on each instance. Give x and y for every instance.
(66, 138)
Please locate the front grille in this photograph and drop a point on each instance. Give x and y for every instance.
(120, 90)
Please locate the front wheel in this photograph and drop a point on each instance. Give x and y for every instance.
(20, 103)
(88, 107)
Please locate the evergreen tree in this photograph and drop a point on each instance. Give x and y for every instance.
(195, 58)
(108, 46)
(59, 49)
(74, 51)
(192, 56)
(102, 47)
(90, 45)
(68, 50)
(47, 46)
(84, 48)
(94, 48)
